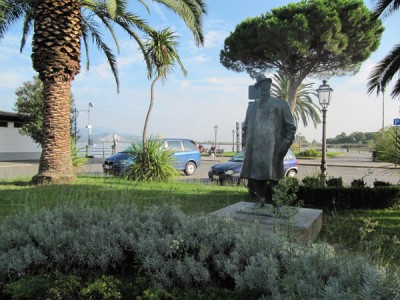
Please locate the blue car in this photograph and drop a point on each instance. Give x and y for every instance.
(186, 155)
(230, 171)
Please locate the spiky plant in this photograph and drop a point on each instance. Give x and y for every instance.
(151, 162)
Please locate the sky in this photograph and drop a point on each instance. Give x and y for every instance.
(190, 107)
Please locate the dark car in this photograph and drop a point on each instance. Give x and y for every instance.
(186, 155)
(230, 170)
(117, 163)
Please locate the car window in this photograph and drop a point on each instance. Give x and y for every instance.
(289, 155)
(188, 145)
(238, 157)
(175, 146)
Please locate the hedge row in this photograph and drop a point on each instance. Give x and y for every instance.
(349, 197)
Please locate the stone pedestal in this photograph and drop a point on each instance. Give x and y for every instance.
(303, 224)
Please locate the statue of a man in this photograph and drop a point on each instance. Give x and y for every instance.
(268, 132)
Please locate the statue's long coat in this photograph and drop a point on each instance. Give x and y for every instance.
(268, 132)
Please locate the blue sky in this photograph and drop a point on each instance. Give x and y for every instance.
(210, 95)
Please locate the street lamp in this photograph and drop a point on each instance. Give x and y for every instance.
(215, 138)
(89, 127)
(76, 114)
(233, 140)
(324, 97)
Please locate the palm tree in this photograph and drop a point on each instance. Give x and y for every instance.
(59, 26)
(389, 66)
(161, 50)
(305, 108)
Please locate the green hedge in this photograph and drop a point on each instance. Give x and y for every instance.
(350, 197)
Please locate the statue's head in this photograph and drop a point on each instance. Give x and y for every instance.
(263, 84)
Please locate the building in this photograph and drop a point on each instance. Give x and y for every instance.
(13, 144)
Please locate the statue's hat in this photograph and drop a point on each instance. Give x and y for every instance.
(261, 78)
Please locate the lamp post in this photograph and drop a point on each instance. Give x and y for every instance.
(215, 138)
(76, 114)
(89, 127)
(324, 97)
(237, 137)
(233, 140)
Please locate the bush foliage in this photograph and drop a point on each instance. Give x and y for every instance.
(174, 252)
(151, 162)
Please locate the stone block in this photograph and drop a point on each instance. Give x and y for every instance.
(303, 224)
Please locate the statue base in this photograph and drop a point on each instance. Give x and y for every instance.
(303, 224)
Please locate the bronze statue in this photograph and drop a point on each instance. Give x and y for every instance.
(268, 132)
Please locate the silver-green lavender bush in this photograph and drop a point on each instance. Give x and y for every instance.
(176, 250)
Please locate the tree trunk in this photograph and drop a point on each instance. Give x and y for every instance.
(146, 122)
(56, 57)
(293, 94)
(55, 161)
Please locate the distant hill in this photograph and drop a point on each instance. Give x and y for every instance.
(107, 136)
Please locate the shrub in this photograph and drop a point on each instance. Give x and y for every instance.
(335, 182)
(105, 287)
(309, 153)
(312, 182)
(388, 146)
(27, 287)
(177, 252)
(285, 196)
(151, 162)
(345, 198)
(78, 160)
(378, 183)
(65, 288)
(358, 183)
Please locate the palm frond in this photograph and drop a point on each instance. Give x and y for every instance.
(161, 49)
(191, 12)
(11, 11)
(85, 37)
(385, 8)
(91, 28)
(26, 27)
(305, 109)
(384, 72)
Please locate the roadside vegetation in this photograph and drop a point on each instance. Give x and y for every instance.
(314, 153)
(17, 196)
(97, 213)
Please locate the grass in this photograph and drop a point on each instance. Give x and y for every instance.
(374, 232)
(195, 198)
(328, 155)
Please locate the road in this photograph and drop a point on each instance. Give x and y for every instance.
(350, 166)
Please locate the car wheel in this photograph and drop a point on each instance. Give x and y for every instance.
(190, 168)
(291, 173)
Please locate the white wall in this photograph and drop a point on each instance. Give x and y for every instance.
(15, 146)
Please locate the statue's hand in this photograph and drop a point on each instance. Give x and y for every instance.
(283, 149)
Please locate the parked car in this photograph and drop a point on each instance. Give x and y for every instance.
(230, 170)
(186, 155)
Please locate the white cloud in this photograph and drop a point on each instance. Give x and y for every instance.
(10, 80)
(214, 38)
(198, 59)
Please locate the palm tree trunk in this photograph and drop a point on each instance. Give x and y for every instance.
(56, 57)
(292, 95)
(55, 161)
(146, 122)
